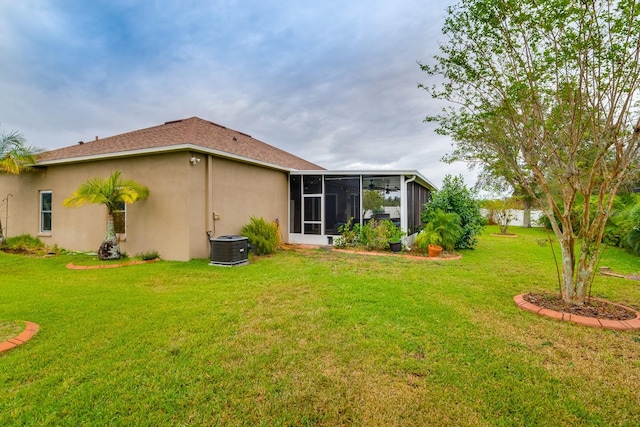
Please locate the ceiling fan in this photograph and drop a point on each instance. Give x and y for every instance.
(386, 188)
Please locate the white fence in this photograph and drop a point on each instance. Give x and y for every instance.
(517, 217)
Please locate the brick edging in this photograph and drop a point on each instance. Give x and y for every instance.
(374, 253)
(30, 331)
(618, 325)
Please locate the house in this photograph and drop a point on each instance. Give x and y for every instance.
(202, 177)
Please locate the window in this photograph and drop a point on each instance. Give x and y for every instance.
(46, 198)
(312, 184)
(120, 218)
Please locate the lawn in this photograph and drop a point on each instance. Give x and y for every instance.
(315, 338)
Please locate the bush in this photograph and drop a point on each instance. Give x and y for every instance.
(631, 239)
(148, 256)
(455, 197)
(262, 235)
(24, 243)
(373, 235)
(349, 235)
(376, 235)
(444, 230)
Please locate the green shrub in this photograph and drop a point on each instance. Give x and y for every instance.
(262, 235)
(455, 197)
(148, 256)
(24, 243)
(349, 235)
(376, 235)
(444, 230)
(631, 239)
(373, 235)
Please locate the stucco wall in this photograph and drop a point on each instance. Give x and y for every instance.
(150, 223)
(239, 191)
(175, 217)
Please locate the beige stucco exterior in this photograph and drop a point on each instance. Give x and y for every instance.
(173, 220)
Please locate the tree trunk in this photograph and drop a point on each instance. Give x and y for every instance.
(526, 215)
(2, 238)
(109, 249)
(568, 268)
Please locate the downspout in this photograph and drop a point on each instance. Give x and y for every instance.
(405, 207)
(209, 223)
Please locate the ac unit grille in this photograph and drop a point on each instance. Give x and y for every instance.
(229, 250)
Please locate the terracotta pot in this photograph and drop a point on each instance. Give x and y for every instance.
(434, 250)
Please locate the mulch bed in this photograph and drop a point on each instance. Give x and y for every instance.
(593, 308)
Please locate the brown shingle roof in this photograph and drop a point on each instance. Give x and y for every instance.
(193, 131)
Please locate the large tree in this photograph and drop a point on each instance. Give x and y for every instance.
(545, 93)
(15, 157)
(111, 192)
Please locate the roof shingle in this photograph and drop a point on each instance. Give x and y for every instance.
(193, 131)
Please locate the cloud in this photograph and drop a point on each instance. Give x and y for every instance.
(333, 82)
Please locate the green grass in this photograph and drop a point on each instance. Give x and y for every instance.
(314, 338)
(10, 329)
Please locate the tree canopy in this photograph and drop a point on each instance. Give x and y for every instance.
(15, 157)
(545, 96)
(111, 192)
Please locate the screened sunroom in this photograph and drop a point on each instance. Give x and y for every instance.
(322, 201)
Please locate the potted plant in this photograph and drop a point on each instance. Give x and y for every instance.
(395, 237)
(442, 232)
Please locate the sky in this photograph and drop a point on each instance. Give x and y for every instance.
(334, 81)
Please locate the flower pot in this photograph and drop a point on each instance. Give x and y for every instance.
(395, 246)
(434, 250)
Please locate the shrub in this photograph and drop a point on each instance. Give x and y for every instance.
(262, 236)
(444, 230)
(373, 235)
(376, 235)
(148, 256)
(455, 197)
(631, 239)
(349, 235)
(24, 243)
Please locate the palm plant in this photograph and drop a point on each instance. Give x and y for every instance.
(444, 230)
(111, 192)
(15, 157)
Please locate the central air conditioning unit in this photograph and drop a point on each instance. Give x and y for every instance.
(229, 251)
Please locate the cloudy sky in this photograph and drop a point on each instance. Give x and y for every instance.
(332, 81)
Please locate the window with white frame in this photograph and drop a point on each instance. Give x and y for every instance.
(46, 199)
(120, 218)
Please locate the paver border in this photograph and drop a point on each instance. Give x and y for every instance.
(618, 325)
(30, 330)
(390, 254)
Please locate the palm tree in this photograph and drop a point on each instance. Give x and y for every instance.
(111, 192)
(15, 157)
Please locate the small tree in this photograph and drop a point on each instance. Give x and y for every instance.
(111, 192)
(15, 157)
(454, 196)
(545, 95)
(500, 212)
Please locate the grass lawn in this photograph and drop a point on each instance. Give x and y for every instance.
(315, 338)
